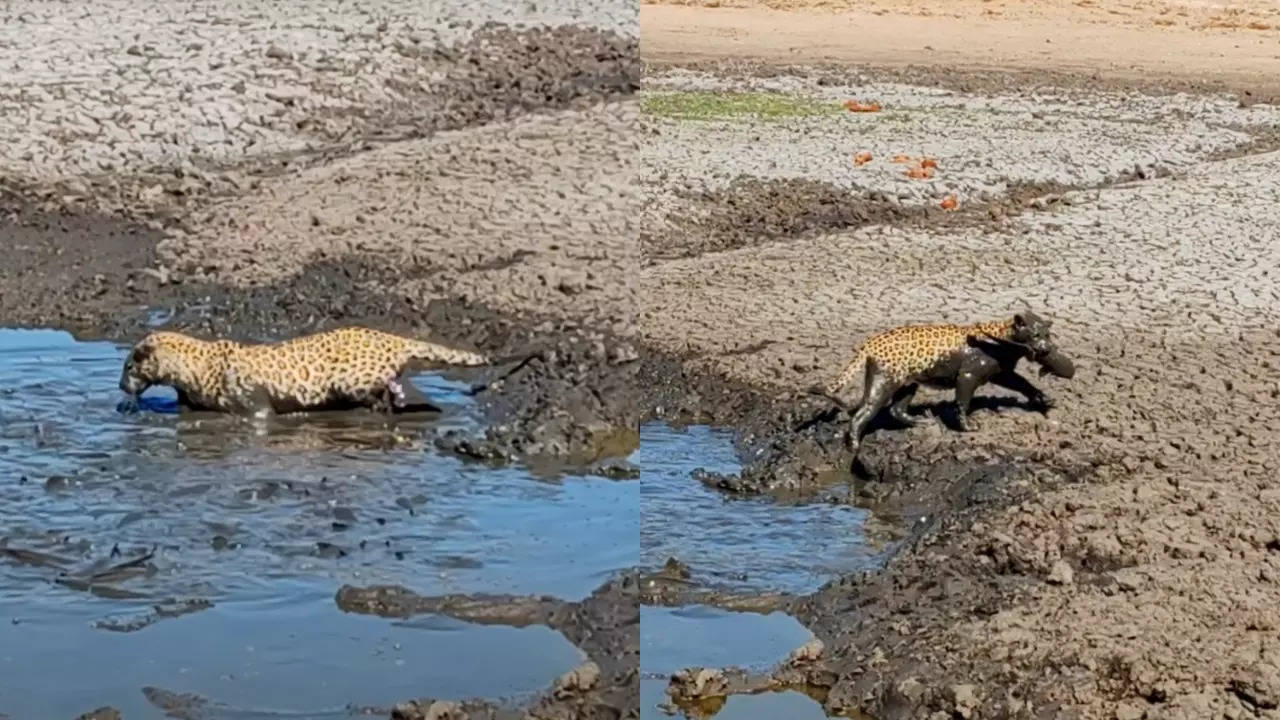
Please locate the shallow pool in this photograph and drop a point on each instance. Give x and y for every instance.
(242, 531)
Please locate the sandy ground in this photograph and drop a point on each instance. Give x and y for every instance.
(1111, 559)
(1200, 45)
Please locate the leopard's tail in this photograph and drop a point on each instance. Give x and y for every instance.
(856, 369)
(443, 354)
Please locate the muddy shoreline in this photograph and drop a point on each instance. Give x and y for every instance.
(577, 410)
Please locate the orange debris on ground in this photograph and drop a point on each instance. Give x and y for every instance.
(949, 202)
(862, 158)
(901, 159)
(855, 106)
(920, 173)
(928, 162)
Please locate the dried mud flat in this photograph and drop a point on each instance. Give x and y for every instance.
(243, 171)
(1114, 558)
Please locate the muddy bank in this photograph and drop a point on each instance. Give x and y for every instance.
(605, 626)
(752, 210)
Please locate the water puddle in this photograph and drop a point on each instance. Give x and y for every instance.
(792, 548)
(290, 655)
(788, 704)
(672, 639)
(736, 544)
(201, 553)
(696, 635)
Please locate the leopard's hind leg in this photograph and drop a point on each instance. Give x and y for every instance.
(902, 400)
(880, 389)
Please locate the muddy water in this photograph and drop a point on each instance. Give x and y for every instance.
(201, 553)
(738, 544)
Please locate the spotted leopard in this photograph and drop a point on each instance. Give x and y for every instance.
(895, 362)
(336, 369)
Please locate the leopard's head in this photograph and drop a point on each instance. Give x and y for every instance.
(162, 358)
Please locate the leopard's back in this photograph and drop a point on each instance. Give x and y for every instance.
(344, 364)
(906, 353)
(909, 352)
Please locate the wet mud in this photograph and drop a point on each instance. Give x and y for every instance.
(752, 211)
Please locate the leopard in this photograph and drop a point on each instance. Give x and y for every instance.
(339, 369)
(895, 362)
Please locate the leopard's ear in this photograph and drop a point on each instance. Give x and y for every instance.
(1019, 320)
(140, 352)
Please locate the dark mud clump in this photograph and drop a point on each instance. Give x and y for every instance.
(605, 626)
(579, 401)
(751, 210)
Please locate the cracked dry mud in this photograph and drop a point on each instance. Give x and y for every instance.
(1115, 558)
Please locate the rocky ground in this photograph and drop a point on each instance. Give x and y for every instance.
(1113, 558)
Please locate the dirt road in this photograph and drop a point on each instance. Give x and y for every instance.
(1113, 559)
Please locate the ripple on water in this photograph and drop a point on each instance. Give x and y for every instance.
(267, 520)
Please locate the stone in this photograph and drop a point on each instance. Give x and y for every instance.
(1061, 574)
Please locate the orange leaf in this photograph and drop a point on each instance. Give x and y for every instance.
(855, 106)
(928, 162)
(920, 173)
(901, 159)
(862, 158)
(949, 202)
